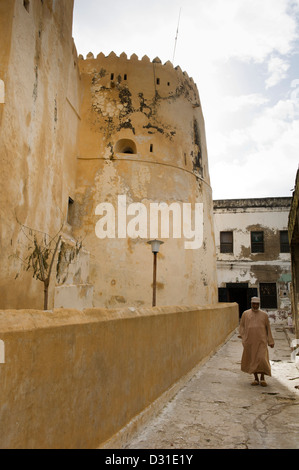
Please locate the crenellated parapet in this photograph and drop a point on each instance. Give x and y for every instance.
(153, 105)
(123, 59)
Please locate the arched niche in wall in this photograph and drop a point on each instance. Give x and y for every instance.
(125, 146)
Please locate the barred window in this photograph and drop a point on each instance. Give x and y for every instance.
(268, 295)
(284, 242)
(257, 242)
(226, 242)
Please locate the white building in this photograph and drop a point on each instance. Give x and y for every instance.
(253, 256)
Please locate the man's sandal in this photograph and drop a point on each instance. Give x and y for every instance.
(255, 382)
(263, 383)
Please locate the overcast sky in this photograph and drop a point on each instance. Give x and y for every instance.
(244, 57)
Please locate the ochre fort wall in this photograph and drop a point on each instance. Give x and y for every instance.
(87, 131)
(38, 134)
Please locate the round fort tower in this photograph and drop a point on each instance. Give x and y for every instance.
(142, 143)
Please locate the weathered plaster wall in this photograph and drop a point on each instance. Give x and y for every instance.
(242, 223)
(156, 110)
(73, 379)
(72, 283)
(56, 110)
(242, 220)
(242, 266)
(38, 133)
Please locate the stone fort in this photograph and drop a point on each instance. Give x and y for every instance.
(76, 133)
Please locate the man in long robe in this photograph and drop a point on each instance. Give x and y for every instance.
(256, 335)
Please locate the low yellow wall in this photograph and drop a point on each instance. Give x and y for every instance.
(73, 379)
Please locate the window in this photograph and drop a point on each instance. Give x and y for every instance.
(70, 211)
(226, 242)
(158, 81)
(26, 4)
(112, 76)
(257, 242)
(284, 242)
(268, 295)
(125, 76)
(151, 148)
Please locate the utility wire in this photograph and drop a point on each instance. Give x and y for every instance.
(176, 38)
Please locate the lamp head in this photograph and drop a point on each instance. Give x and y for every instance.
(155, 245)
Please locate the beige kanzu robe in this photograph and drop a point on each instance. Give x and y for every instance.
(256, 335)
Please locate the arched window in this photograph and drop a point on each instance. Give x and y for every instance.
(125, 146)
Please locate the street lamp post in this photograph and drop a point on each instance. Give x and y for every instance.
(155, 244)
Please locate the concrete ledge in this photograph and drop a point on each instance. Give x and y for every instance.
(76, 379)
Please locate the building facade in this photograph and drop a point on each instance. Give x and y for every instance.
(253, 255)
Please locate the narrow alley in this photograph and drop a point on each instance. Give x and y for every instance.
(220, 409)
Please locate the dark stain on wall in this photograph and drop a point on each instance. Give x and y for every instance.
(266, 273)
(118, 93)
(271, 243)
(197, 155)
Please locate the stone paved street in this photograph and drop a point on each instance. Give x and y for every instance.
(220, 409)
